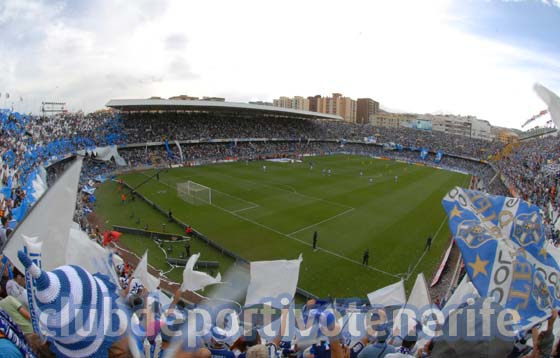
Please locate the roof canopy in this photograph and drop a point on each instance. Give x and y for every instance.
(129, 105)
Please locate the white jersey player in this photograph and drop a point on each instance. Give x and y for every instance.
(264, 168)
(396, 179)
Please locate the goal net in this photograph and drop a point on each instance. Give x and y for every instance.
(194, 193)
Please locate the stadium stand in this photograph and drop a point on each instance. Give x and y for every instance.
(35, 151)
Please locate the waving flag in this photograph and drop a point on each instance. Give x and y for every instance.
(271, 280)
(88, 189)
(535, 117)
(424, 153)
(169, 152)
(392, 295)
(141, 273)
(503, 246)
(180, 150)
(552, 101)
(195, 280)
(50, 221)
(461, 296)
(439, 156)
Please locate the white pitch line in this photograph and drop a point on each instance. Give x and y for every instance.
(243, 209)
(303, 242)
(251, 204)
(296, 239)
(424, 253)
(277, 186)
(236, 198)
(322, 221)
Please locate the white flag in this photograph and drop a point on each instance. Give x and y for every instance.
(86, 253)
(39, 186)
(196, 280)
(462, 294)
(552, 101)
(392, 295)
(418, 299)
(141, 273)
(50, 221)
(419, 296)
(271, 280)
(180, 150)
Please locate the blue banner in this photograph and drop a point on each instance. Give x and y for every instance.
(439, 156)
(502, 242)
(169, 152)
(424, 153)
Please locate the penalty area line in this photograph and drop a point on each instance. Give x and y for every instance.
(296, 239)
(322, 221)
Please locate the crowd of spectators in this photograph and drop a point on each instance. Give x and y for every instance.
(202, 153)
(34, 149)
(29, 143)
(148, 127)
(527, 169)
(532, 171)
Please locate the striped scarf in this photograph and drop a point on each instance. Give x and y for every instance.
(13, 333)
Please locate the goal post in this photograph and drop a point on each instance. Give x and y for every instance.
(194, 193)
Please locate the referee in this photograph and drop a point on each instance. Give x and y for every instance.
(315, 240)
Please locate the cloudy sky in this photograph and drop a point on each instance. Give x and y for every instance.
(462, 57)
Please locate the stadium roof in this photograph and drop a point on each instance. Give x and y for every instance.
(185, 105)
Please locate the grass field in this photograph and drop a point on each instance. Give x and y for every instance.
(273, 214)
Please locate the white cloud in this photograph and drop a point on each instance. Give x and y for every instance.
(408, 55)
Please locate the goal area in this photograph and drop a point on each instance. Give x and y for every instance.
(194, 193)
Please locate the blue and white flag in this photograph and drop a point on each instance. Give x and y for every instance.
(169, 152)
(424, 153)
(502, 242)
(88, 189)
(439, 156)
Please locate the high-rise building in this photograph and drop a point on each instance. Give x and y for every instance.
(365, 108)
(313, 102)
(296, 102)
(339, 105)
(393, 120)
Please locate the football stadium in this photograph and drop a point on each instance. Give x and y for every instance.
(184, 194)
(267, 203)
(249, 224)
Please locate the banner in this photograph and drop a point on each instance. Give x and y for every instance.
(169, 152)
(424, 153)
(439, 156)
(535, 117)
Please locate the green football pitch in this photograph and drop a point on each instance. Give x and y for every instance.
(272, 214)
